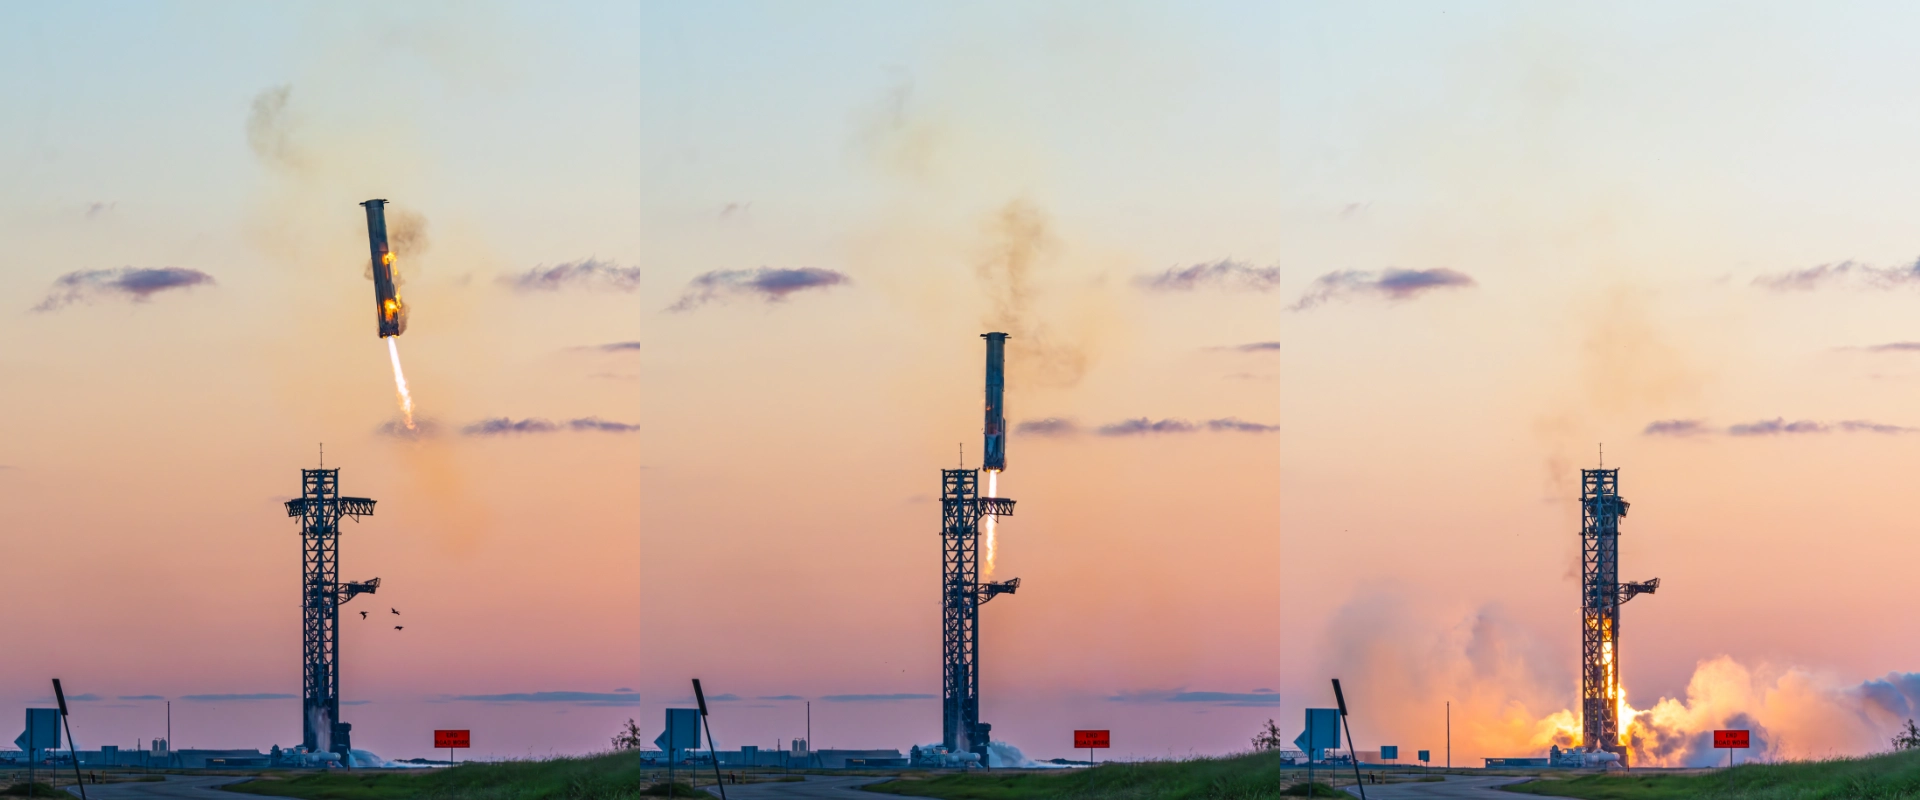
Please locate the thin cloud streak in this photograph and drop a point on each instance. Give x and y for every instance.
(588, 273)
(1842, 273)
(876, 698)
(1234, 699)
(504, 426)
(1778, 426)
(767, 284)
(138, 284)
(1226, 274)
(1393, 284)
(238, 698)
(580, 698)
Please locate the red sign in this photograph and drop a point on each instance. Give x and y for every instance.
(446, 739)
(1726, 739)
(1087, 740)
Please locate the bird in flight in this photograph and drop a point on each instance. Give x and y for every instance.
(394, 610)
(399, 627)
(363, 615)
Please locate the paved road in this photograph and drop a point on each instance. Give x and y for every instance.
(175, 788)
(813, 788)
(1468, 788)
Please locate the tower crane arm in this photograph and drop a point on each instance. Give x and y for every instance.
(1629, 590)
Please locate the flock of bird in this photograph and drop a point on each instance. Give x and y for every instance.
(396, 612)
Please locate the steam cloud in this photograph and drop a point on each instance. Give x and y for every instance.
(763, 283)
(134, 283)
(1250, 347)
(1226, 274)
(1393, 284)
(500, 426)
(1864, 276)
(588, 273)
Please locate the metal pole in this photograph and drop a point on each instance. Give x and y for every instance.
(1449, 734)
(712, 747)
(71, 747)
(1353, 750)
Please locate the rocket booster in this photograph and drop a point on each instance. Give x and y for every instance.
(996, 428)
(392, 315)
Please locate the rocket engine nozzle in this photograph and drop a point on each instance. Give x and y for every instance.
(996, 427)
(388, 310)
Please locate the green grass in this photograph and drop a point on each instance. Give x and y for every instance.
(1235, 778)
(606, 777)
(1883, 777)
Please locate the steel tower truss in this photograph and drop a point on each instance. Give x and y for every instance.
(1602, 593)
(320, 508)
(961, 508)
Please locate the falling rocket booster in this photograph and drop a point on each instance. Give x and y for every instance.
(391, 313)
(996, 428)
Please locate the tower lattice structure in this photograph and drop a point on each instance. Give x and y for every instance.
(1602, 594)
(961, 509)
(320, 508)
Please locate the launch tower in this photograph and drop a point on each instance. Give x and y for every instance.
(320, 508)
(962, 511)
(1602, 593)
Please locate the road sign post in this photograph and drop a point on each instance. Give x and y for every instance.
(449, 739)
(1090, 741)
(1731, 741)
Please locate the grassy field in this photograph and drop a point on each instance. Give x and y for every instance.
(616, 775)
(1884, 777)
(1236, 778)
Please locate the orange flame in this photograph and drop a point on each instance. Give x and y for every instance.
(993, 490)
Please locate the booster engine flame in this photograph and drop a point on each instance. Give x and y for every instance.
(400, 382)
(993, 490)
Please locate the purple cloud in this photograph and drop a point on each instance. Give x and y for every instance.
(764, 283)
(1676, 427)
(1226, 274)
(1775, 427)
(1865, 276)
(502, 426)
(1234, 425)
(1250, 347)
(589, 273)
(135, 283)
(1393, 284)
(1051, 426)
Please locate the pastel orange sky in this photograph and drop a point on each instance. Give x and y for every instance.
(721, 270)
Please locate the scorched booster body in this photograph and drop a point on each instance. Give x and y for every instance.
(391, 313)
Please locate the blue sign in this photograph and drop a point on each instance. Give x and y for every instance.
(1389, 752)
(42, 733)
(682, 732)
(1425, 756)
(1322, 733)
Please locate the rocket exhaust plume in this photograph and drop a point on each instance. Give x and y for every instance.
(995, 428)
(389, 313)
(400, 382)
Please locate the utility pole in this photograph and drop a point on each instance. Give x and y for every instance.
(1449, 734)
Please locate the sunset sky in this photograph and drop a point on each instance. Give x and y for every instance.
(696, 293)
